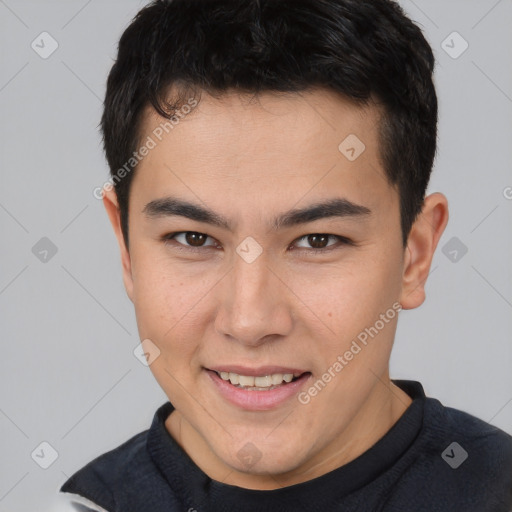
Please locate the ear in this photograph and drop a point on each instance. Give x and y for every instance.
(114, 214)
(421, 245)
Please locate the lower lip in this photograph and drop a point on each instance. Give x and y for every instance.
(254, 400)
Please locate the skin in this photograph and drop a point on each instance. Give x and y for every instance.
(250, 159)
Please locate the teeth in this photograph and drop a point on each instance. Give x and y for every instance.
(248, 381)
(277, 378)
(263, 382)
(245, 380)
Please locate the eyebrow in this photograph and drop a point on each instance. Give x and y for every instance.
(336, 207)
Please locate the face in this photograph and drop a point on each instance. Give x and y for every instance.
(262, 251)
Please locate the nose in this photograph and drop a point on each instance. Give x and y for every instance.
(255, 306)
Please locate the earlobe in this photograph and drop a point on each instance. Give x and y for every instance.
(112, 207)
(421, 245)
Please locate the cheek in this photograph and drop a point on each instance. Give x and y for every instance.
(340, 295)
(167, 303)
(164, 308)
(342, 301)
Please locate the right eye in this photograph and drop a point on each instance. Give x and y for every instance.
(189, 240)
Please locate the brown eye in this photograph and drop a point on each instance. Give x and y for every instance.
(195, 239)
(190, 239)
(320, 242)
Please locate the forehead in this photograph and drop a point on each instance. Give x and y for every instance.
(312, 140)
(279, 118)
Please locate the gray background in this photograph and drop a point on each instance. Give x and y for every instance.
(68, 375)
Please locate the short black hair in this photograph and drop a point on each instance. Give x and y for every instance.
(363, 49)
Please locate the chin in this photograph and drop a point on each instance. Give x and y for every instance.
(263, 458)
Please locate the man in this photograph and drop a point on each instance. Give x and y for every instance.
(269, 165)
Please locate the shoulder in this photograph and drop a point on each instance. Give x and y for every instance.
(483, 441)
(74, 503)
(110, 465)
(456, 462)
(129, 477)
(107, 476)
(463, 460)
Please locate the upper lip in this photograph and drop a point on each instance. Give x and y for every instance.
(256, 372)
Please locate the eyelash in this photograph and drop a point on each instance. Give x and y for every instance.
(341, 241)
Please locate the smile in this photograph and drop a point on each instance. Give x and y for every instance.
(264, 383)
(257, 389)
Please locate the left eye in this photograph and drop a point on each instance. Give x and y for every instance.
(319, 241)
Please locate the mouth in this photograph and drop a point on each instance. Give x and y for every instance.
(261, 382)
(257, 388)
